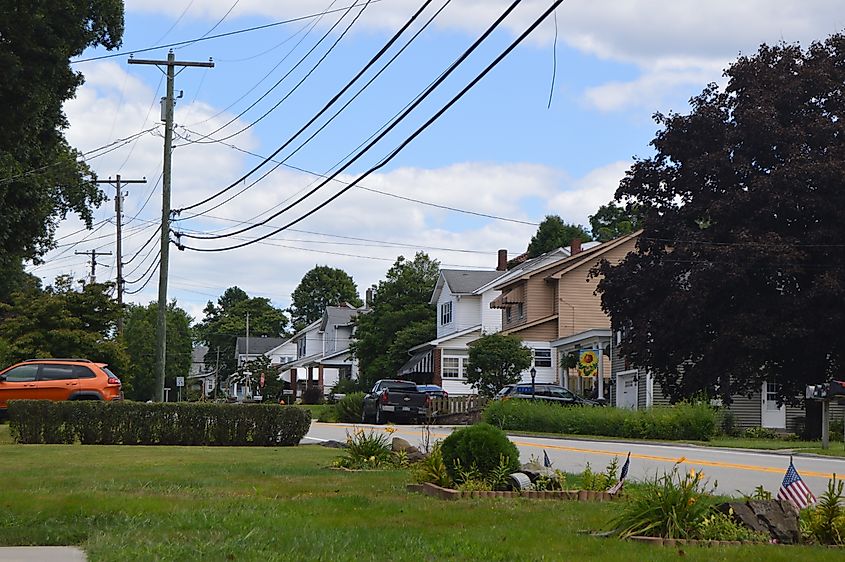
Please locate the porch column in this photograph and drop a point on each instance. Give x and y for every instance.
(310, 375)
(320, 375)
(437, 377)
(293, 382)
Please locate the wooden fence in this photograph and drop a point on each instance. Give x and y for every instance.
(457, 405)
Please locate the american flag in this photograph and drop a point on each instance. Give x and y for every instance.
(618, 485)
(794, 490)
(546, 461)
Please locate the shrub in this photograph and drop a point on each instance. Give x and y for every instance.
(760, 433)
(825, 522)
(482, 447)
(137, 423)
(369, 450)
(432, 468)
(728, 423)
(682, 421)
(312, 395)
(350, 407)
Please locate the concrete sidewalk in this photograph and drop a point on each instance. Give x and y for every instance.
(41, 554)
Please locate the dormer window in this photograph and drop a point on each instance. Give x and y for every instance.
(446, 313)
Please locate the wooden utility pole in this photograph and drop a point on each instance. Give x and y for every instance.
(169, 102)
(94, 264)
(118, 209)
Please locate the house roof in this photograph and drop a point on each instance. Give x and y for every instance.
(437, 341)
(338, 316)
(198, 354)
(463, 281)
(527, 266)
(530, 324)
(258, 345)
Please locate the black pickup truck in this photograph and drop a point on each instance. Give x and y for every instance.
(394, 400)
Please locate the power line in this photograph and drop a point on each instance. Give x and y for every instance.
(141, 288)
(219, 35)
(372, 143)
(141, 249)
(153, 264)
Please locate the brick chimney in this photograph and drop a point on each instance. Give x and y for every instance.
(575, 246)
(503, 261)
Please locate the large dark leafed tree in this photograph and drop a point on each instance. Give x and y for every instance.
(739, 276)
(41, 176)
(321, 287)
(553, 233)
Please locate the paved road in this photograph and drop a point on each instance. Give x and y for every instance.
(41, 554)
(735, 471)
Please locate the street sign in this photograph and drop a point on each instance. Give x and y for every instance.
(180, 381)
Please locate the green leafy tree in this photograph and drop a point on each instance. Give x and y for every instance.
(612, 221)
(62, 321)
(400, 310)
(41, 177)
(225, 321)
(250, 373)
(739, 275)
(496, 360)
(140, 336)
(553, 233)
(321, 287)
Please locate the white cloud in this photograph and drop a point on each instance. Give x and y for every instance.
(585, 195)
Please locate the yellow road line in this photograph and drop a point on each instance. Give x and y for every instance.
(673, 460)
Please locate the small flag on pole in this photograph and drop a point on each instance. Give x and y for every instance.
(794, 490)
(618, 485)
(546, 461)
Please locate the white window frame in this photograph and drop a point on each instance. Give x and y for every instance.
(446, 313)
(462, 361)
(546, 359)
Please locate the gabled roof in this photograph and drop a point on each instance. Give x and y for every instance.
(338, 316)
(463, 281)
(437, 341)
(258, 345)
(526, 267)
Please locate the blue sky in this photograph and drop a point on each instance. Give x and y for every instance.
(499, 151)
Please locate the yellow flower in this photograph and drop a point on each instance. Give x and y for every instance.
(692, 473)
(589, 358)
(390, 429)
(681, 460)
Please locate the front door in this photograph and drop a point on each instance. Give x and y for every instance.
(627, 389)
(772, 415)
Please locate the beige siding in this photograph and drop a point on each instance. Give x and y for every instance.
(547, 331)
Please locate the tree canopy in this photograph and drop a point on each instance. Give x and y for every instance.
(496, 360)
(225, 321)
(41, 177)
(400, 318)
(140, 336)
(553, 233)
(739, 276)
(612, 221)
(321, 287)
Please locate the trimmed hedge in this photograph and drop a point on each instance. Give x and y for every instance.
(481, 446)
(138, 423)
(681, 421)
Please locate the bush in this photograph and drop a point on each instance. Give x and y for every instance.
(313, 395)
(350, 407)
(682, 421)
(138, 423)
(481, 447)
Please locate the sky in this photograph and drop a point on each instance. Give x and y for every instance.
(551, 129)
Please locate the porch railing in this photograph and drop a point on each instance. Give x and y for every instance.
(457, 405)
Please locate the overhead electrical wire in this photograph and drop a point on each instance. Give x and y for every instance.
(153, 263)
(410, 139)
(331, 102)
(288, 73)
(387, 130)
(141, 249)
(142, 287)
(127, 52)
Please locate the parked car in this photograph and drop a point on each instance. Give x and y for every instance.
(433, 390)
(394, 399)
(58, 379)
(552, 393)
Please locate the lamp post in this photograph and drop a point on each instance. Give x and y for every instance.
(533, 388)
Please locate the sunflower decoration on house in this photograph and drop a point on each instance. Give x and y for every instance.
(588, 361)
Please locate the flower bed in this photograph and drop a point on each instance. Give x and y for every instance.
(439, 492)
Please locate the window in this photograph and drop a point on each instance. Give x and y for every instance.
(24, 373)
(520, 310)
(542, 357)
(300, 347)
(84, 372)
(454, 366)
(56, 373)
(446, 313)
(508, 315)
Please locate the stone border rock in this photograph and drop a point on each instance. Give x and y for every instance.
(660, 541)
(439, 492)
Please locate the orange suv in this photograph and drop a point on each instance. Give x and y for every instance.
(58, 379)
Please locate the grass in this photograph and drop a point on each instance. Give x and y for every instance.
(183, 503)
(318, 410)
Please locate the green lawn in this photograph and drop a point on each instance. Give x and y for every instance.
(181, 503)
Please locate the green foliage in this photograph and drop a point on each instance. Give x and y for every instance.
(600, 481)
(36, 80)
(369, 450)
(350, 407)
(400, 312)
(742, 202)
(312, 395)
(671, 506)
(825, 521)
(138, 423)
(612, 221)
(140, 337)
(481, 447)
(718, 526)
(250, 373)
(760, 433)
(225, 321)
(321, 287)
(433, 469)
(496, 360)
(759, 493)
(728, 423)
(553, 233)
(681, 421)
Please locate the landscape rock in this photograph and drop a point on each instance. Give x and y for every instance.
(535, 470)
(779, 518)
(399, 445)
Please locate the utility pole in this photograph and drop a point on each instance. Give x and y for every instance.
(161, 332)
(94, 264)
(217, 380)
(118, 209)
